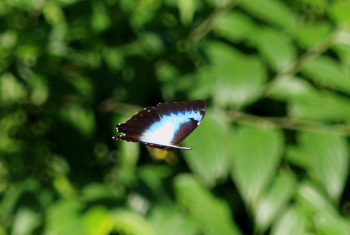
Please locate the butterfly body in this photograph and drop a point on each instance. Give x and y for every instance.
(164, 126)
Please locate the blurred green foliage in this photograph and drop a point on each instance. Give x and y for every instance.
(271, 156)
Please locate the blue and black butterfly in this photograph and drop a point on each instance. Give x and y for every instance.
(164, 126)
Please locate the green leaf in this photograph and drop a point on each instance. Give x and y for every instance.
(130, 223)
(332, 225)
(114, 58)
(187, 10)
(11, 91)
(328, 161)
(99, 191)
(313, 201)
(98, 221)
(326, 219)
(9, 122)
(39, 90)
(322, 106)
(64, 218)
(291, 222)
(212, 214)
(271, 11)
(289, 89)
(2, 230)
(312, 34)
(25, 222)
(53, 13)
(142, 13)
(209, 157)
(275, 200)
(80, 118)
(340, 11)
(257, 152)
(154, 176)
(168, 219)
(296, 156)
(13, 193)
(327, 72)
(235, 27)
(100, 20)
(233, 79)
(276, 48)
(129, 155)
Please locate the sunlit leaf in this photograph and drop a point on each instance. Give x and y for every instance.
(288, 89)
(235, 27)
(291, 222)
(311, 35)
(96, 191)
(40, 90)
(325, 217)
(64, 218)
(53, 13)
(312, 200)
(272, 11)
(98, 221)
(57, 45)
(129, 155)
(2, 230)
(129, 222)
(275, 200)
(327, 72)
(210, 154)
(12, 196)
(100, 19)
(328, 160)
(321, 106)
(142, 12)
(151, 42)
(187, 10)
(25, 222)
(212, 214)
(339, 11)
(276, 48)
(257, 152)
(233, 79)
(329, 225)
(11, 90)
(8, 39)
(64, 186)
(168, 219)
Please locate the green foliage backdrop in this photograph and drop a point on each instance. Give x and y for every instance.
(270, 157)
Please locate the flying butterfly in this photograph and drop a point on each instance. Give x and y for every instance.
(164, 126)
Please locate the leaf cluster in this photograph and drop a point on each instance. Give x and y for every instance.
(270, 157)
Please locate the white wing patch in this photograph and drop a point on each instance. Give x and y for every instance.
(163, 131)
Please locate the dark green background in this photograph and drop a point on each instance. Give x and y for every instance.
(270, 157)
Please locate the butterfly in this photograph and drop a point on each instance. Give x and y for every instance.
(164, 126)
